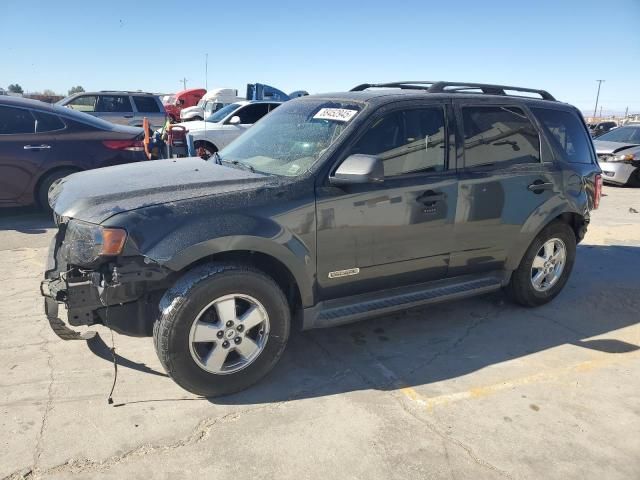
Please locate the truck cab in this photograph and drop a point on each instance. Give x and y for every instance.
(209, 103)
(181, 100)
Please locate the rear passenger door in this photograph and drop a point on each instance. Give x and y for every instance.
(148, 106)
(502, 180)
(115, 109)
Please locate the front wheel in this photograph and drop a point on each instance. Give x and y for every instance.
(545, 267)
(222, 328)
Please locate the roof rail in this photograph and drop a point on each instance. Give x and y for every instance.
(125, 91)
(455, 87)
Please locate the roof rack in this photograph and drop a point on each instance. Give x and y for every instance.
(455, 87)
(126, 91)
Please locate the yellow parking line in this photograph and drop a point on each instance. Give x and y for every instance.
(484, 391)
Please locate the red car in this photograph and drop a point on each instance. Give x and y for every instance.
(183, 99)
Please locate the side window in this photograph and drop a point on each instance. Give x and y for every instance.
(252, 113)
(114, 104)
(498, 136)
(47, 122)
(16, 120)
(566, 133)
(273, 106)
(146, 104)
(83, 103)
(407, 141)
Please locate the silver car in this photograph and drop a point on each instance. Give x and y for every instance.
(619, 155)
(125, 108)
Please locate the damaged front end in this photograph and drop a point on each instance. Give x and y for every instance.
(100, 279)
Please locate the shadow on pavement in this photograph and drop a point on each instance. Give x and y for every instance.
(446, 341)
(25, 220)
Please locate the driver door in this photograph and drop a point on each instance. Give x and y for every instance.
(398, 232)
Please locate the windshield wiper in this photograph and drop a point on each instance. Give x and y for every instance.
(244, 165)
(216, 158)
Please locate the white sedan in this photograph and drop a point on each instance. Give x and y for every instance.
(225, 125)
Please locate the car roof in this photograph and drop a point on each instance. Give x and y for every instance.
(379, 96)
(25, 102)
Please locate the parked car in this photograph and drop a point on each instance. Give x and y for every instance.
(210, 103)
(332, 209)
(619, 155)
(41, 143)
(600, 128)
(124, 108)
(225, 125)
(174, 104)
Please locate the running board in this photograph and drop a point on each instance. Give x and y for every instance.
(352, 309)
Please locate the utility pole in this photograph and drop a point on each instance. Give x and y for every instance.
(595, 110)
(600, 111)
(184, 83)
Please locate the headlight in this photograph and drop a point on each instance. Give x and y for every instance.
(84, 243)
(629, 157)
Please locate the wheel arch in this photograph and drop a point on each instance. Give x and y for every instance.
(36, 187)
(535, 224)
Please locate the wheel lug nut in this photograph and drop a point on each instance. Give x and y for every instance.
(220, 334)
(229, 323)
(225, 344)
(237, 340)
(239, 328)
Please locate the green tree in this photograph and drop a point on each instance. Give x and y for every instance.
(76, 89)
(15, 88)
(49, 93)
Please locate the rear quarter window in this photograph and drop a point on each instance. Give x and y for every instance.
(566, 134)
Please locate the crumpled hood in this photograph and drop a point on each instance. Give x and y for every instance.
(603, 146)
(95, 195)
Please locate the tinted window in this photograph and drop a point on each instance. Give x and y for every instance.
(221, 113)
(114, 104)
(273, 106)
(16, 120)
(622, 135)
(407, 141)
(83, 103)
(146, 104)
(566, 133)
(252, 113)
(46, 122)
(498, 135)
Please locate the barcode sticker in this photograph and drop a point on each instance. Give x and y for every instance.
(335, 114)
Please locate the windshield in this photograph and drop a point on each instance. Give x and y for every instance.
(622, 135)
(222, 113)
(293, 137)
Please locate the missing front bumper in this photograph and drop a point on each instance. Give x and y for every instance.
(59, 327)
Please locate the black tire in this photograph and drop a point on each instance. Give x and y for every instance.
(197, 119)
(209, 148)
(181, 305)
(42, 193)
(634, 179)
(520, 288)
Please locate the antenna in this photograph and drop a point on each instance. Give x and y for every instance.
(206, 71)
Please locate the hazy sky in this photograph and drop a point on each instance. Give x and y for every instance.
(561, 45)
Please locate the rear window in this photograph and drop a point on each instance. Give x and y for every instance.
(498, 136)
(146, 104)
(566, 133)
(46, 122)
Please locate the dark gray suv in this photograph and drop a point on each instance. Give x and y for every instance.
(331, 209)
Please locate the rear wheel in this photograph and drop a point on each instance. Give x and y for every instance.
(42, 193)
(545, 267)
(222, 328)
(204, 149)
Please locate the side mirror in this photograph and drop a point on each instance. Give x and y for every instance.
(235, 120)
(358, 168)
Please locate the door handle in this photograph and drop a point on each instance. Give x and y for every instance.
(538, 186)
(37, 147)
(430, 197)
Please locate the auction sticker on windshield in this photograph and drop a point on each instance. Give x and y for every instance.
(335, 114)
